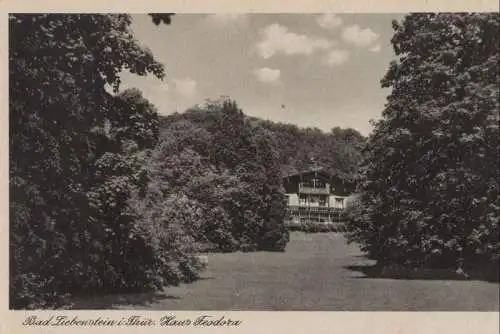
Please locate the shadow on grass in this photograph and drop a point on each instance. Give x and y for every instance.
(114, 301)
(374, 272)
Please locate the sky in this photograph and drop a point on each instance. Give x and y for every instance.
(312, 70)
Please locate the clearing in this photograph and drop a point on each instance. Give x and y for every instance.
(317, 272)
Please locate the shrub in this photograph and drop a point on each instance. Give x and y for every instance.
(317, 227)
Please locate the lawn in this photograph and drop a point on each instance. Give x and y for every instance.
(317, 272)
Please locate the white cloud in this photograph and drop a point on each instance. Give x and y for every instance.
(278, 39)
(336, 57)
(329, 21)
(358, 36)
(185, 87)
(375, 48)
(267, 75)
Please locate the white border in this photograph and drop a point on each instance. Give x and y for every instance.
(253, 322)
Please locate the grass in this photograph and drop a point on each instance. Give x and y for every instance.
(317, 272)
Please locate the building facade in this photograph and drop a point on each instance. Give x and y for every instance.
(315, 196)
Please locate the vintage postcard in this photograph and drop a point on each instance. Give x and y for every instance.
(211, 166)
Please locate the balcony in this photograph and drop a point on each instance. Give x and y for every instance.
(319, 209)
(326, 214)
(315, 191)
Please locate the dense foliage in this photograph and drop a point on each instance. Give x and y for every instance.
(228, 168)
(430, 191)
(338, 152)
(315, 227)
(78, 188)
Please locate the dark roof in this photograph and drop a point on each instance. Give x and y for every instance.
(318, 170)
(321, 171)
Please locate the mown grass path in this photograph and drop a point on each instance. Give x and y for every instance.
(315, 273)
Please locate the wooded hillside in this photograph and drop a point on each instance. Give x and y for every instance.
(337, 151)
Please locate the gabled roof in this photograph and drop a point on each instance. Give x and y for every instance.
(319, 171)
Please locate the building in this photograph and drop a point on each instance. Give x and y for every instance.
(315, 196)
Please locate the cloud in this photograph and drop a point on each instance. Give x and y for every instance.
(358, 36)
(267, 75)
(336, 57)
(277, 39)
(185, 87)
(329, 21)
(375, 48)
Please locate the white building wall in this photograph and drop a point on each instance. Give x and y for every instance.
(293, 199)
(313, 204)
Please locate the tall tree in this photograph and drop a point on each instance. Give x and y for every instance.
(431, 171)
(230, 166)
(72, 163)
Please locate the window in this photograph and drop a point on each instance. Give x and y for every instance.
(302, 200)
(322, 201)
(313, 183)
(308, 184)
(319, 184)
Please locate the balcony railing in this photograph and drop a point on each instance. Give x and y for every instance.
(325, 214)
(318, 209)
(316, 191)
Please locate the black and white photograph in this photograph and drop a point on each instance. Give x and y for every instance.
(254, 161)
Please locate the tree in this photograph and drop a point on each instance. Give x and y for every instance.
(215, 156)
(430, 191)
(249, 152)
(338, 152)
(75, 160)
(159, 18)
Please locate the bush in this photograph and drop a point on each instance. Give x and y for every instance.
(167, 223)
(316, 227)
